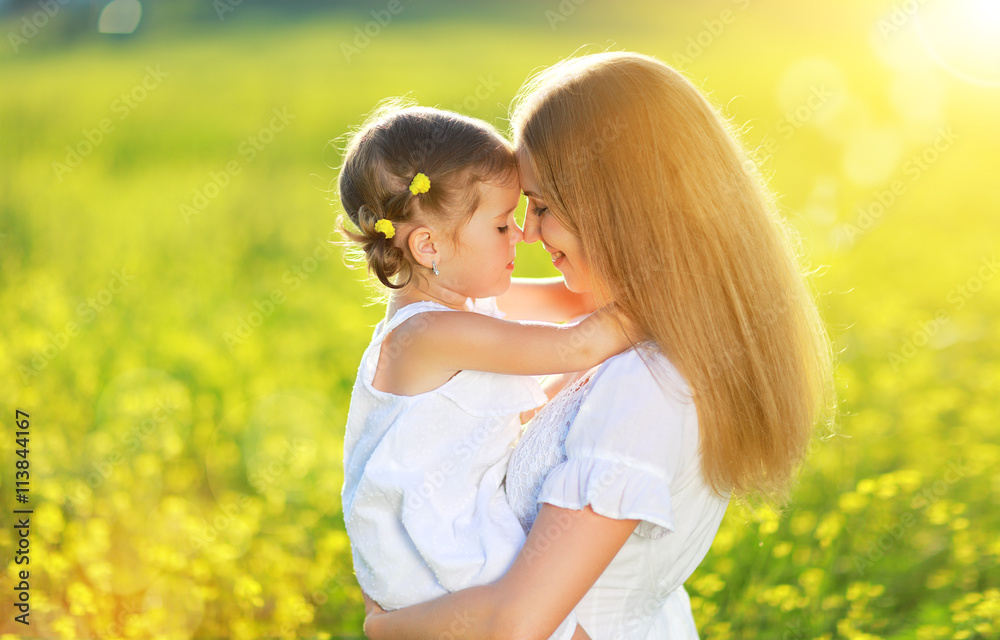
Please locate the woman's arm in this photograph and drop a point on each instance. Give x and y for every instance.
(565, 553)
(446, 341)
(545, 299)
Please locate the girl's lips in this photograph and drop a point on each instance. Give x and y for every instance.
(510, 265)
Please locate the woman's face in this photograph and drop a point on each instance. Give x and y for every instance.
(539, 224)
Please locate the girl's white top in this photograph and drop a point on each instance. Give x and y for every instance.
(423, 496)
(625, 442)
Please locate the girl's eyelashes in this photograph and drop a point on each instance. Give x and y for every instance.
(504, 229)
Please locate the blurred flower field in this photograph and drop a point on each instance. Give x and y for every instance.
(184, 338)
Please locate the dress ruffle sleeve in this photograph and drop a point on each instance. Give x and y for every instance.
(623, 448)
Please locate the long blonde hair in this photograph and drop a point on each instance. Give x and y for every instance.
(684, 236)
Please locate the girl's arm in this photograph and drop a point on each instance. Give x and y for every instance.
(565, 553)
(545, 299)
(449, 341)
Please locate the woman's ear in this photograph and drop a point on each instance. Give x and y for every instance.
(421, 245)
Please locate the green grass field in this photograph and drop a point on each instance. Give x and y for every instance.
(184, 339)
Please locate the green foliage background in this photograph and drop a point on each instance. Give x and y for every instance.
(187, 371)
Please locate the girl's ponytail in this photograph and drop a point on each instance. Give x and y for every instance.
(384, 258)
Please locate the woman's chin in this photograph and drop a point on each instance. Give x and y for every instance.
(572, 282)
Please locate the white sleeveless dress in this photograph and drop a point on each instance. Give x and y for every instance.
(423, 497)
(625, 442)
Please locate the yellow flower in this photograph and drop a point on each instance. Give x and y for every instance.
(852, 502)
(385, 226)
(248, 590)
(420, 184)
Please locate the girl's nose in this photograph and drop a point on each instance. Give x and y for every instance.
(517, 234)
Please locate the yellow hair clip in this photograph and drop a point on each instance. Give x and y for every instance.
(385, 226)
(420, 184)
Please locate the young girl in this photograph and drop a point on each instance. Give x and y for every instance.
(435, 408)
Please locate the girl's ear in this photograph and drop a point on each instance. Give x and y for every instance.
(422, 248)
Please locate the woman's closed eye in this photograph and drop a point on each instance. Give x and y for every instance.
(539, 211)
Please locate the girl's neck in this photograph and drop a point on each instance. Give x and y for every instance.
(424, 292)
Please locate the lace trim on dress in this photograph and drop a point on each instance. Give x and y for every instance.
(541, 449)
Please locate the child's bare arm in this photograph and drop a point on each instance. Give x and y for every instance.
(456, 341)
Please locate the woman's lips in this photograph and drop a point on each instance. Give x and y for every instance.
(557, 257)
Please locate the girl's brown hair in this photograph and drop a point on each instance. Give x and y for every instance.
(394, 144)
(683, 235)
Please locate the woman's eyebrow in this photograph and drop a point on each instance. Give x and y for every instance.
(530, 194)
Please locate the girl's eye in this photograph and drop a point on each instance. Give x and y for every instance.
(504, 229)
(539, 211)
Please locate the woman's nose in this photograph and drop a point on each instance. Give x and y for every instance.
(532, 231)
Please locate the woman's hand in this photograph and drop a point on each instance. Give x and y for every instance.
(565, 553)
(372, 609)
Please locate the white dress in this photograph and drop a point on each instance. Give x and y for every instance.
(625, 441)
(423, 497)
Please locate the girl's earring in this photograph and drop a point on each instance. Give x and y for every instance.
(434, 268)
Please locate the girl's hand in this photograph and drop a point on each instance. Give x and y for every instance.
(609, 331)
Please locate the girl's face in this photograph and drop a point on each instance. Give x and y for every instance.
(539, 224)
(482, 263)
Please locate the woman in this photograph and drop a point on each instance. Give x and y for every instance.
(641, 193)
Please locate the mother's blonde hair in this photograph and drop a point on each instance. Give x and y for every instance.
(682, 233)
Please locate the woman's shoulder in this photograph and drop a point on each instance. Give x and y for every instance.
(643, 372)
